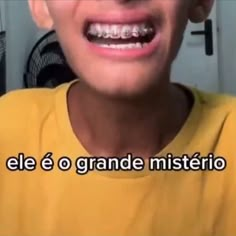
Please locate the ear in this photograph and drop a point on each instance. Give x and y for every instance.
(200, 10)
(40, 14)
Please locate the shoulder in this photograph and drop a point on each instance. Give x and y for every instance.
(22, 109)
(21, 103)
(218, 105)
(220, 101)
(218, 115)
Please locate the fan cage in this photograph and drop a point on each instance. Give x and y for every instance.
(2, 44)
(46, 52)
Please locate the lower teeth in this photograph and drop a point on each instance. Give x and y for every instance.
(123, 46)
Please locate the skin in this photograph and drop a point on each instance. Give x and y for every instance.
(112, 112)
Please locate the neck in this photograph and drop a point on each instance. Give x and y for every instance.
(114, 127)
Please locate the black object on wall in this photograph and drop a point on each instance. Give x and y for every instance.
(2, 63)
(47, 65)
(208, 33)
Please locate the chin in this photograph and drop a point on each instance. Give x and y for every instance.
(123, 81)
(119, 78)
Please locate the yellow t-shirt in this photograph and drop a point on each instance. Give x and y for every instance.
(138, 203)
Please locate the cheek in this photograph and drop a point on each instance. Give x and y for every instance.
(62, 11)
(177, 14)
(176, 19)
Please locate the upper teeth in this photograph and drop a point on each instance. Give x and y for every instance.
(119, 31)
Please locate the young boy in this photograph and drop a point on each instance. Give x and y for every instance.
(122, 51)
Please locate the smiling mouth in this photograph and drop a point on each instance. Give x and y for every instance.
(120, 36)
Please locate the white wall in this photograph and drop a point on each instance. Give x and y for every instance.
(22, 35)
(2, 14)
(227, 49)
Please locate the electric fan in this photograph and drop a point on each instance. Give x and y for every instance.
(2, 62)
(47, 65)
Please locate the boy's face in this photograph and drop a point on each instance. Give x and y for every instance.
(133, 71)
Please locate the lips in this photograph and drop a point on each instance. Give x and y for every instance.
(131, 50)
(121, 18)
